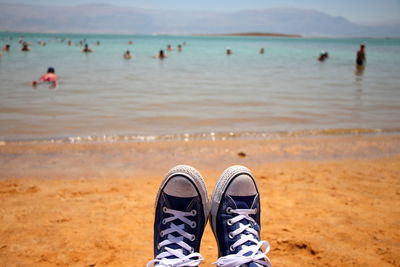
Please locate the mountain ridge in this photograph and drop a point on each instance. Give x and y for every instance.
(107, 18)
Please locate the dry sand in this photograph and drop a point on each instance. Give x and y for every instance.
(332, 201)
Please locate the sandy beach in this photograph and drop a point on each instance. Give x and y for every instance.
(326, 201)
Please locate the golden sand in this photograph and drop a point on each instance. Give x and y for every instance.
(325, 201)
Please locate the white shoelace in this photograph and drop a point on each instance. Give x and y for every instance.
(178, 258)
(247, 254)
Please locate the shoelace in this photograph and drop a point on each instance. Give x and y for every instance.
(177, 258)
(246, 254)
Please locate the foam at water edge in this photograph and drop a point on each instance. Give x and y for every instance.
(213, 136)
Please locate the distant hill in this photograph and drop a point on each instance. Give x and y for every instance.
(103, 18)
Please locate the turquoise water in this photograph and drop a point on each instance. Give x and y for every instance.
(199, 91)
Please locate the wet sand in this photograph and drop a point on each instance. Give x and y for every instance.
(326, 201)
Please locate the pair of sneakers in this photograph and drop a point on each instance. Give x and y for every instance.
(182, 211)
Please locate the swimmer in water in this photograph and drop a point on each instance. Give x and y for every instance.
(49, 77)
(169, 48)
(262, 50)
(161, 55)
(324, 55)
(87, 49)
(229, 51)
(6, 48)
(127, 54)
(25, 47)
(360, 59)
(179, 48)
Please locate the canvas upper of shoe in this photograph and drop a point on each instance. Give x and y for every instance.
(180, 218)
(235, 217)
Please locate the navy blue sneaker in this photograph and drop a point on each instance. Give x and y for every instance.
(182, 209)
(235, 220)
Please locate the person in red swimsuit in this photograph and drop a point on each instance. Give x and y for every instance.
(49, 77)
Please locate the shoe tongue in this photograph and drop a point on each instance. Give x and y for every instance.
(181, 204)
(178, 203)
(243, 202)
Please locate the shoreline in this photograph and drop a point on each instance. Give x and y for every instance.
(264, 34)
(250, 34)
(121, 159)
(329, 201)
(254, 34)
(204, 136)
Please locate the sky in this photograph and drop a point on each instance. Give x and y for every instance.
(368, 12)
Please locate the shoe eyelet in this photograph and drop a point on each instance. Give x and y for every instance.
(164, 209)
(162, 233)
(164, 221)
(231, 235)
(229, 222)
(158, 246)
(231, 248)
(228, 210)
(193, 225)
(193, 212)
(193, 238)
(192, 250)
(255, 210)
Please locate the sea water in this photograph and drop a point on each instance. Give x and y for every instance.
(199, 92)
